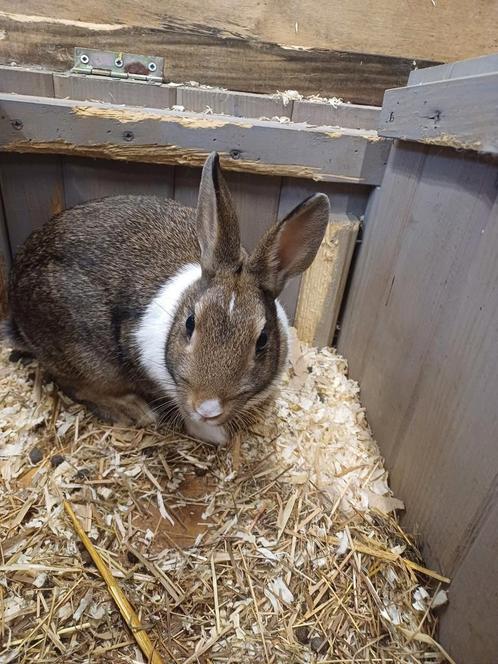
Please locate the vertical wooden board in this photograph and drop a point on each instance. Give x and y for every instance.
(186, 185)
(256, 199)
(88, 179)
(32, 190)
(470, 633)
(373, 270)
(114, 91)
(344, 199)
(322, 285)
(32, 185)
(446, 454)
(427, 270)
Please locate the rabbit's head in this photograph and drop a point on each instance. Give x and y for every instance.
(227, 344)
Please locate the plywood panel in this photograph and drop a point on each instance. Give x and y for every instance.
(420, 333)
(426, 30)
(247, 46)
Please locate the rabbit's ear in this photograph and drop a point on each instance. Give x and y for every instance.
(217, 224)
(289, 247)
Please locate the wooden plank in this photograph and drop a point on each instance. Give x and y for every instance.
(487, 64)
(442, 31)
(32, 190)
(32, 186)
(113, 90)
(471, 632)
(26, 81)
(342, 115)
(322, 285)
(30, 124)
(88, 179)
(444, 113)
(238, 104)
(225, 52)
(424, 296)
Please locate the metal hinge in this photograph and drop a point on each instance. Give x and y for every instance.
(118, 65)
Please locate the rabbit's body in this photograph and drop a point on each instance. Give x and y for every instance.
(136, 305)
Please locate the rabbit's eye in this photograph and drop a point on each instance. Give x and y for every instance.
(262, 341)
(190, 325)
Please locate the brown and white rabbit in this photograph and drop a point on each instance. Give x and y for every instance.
(137, 304)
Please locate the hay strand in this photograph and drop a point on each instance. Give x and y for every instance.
(124, 606)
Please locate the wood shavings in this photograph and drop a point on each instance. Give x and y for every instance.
(283, 547)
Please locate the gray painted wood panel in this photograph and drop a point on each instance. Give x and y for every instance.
(87, 179)
(420, 333)
(32, 186)
(113, 91)
(155, 136)
(25, 81)
(238, 104)
(475, 580)
(344, 115)
(486, 64)
(444, 113)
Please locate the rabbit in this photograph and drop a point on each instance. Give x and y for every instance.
(140, 307)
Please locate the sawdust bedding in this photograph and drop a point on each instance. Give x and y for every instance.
(284, 547)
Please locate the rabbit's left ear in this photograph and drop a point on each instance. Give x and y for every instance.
(217, 224)
(289, 247)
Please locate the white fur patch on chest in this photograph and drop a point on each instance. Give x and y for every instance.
(154, 327)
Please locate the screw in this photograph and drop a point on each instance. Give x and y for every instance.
(128, 136)
(152, 66)
(84, 58)
(17, 124)
(235, 154)
(118, 62)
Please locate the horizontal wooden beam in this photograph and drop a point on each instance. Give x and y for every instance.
(459, 113)
(486, 64)
(62, 126)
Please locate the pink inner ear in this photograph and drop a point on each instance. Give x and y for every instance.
(290, 242)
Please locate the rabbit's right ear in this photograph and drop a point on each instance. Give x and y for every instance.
(217, 224)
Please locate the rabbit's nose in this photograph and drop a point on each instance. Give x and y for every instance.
(209, 409)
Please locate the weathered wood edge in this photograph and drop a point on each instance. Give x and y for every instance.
(486, 64)
(42, 125)
(444, 113)
(322, 286)
(19, 79)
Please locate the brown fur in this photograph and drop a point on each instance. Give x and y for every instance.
(80, 285)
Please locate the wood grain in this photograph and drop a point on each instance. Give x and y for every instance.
(31, 185)
(322, 285)
(486, 64)
(230, 55)
(444, 113)
(441, 31)
(38, 125)
(420, 334)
